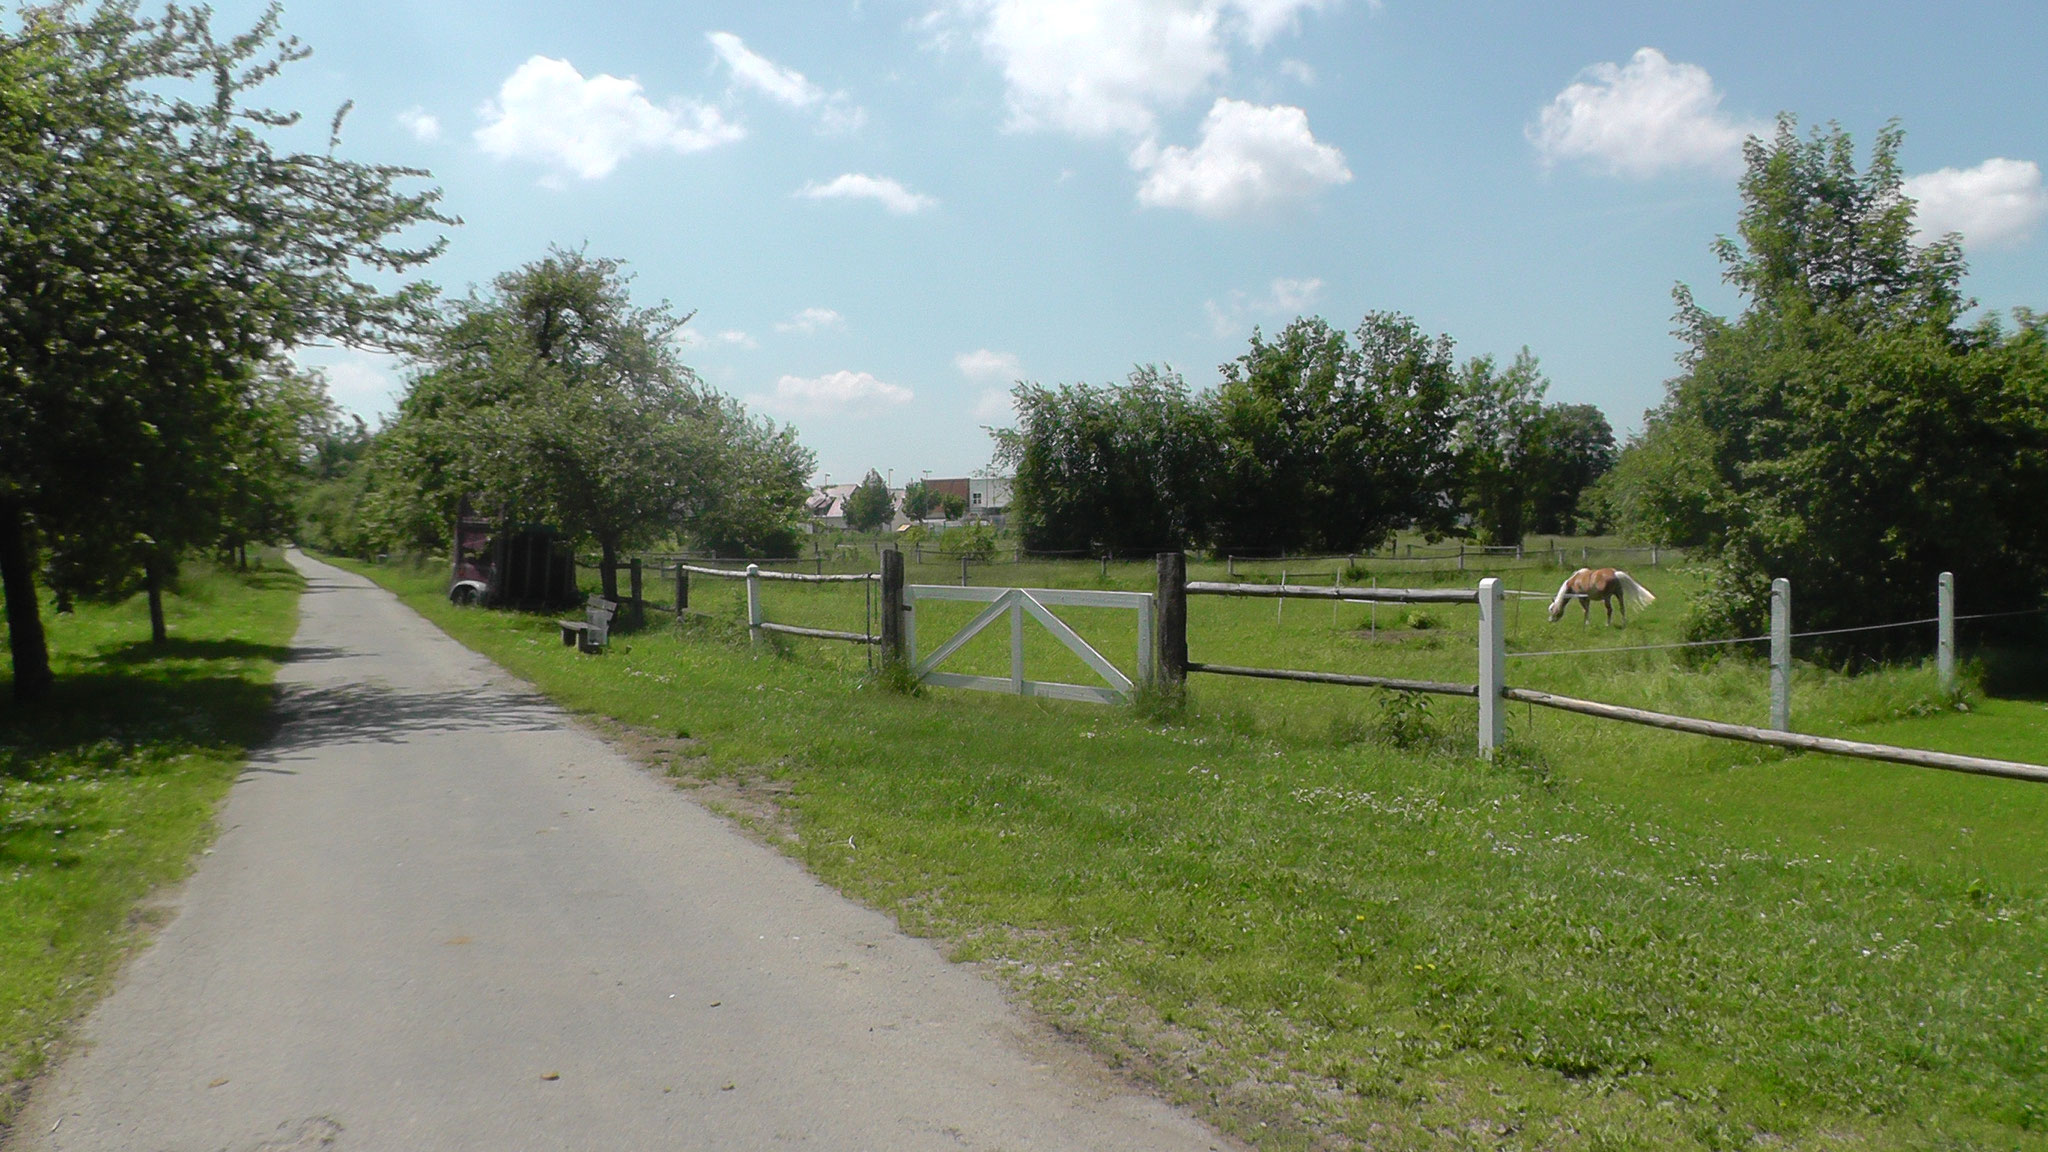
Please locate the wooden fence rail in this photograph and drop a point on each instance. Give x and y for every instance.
(1317, 592)
(1919, 758)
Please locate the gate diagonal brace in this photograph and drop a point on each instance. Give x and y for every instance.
(989, 615)
(1075, 644)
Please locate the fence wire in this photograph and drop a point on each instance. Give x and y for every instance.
(1766, 639)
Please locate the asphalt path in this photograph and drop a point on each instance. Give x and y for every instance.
(441, 915)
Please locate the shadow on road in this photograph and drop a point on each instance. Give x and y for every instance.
(317, 716)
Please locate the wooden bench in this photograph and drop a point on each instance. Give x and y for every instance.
(590, 633)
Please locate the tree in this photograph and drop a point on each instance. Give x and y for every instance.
(920, 501)
(1118, 467)
(1663, 487)
(1500, 449)
(1323, 445)
(869, 508)
(1844, 431)
(157, 251)
(1577, 449)
(553, 398)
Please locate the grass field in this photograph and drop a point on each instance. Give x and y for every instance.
(1310, 913)
(108, 790)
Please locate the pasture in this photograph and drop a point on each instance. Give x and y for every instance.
(1311, 913)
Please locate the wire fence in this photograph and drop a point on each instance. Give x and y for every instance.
(1766, 639)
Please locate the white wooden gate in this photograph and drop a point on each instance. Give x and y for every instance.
(1038, 603)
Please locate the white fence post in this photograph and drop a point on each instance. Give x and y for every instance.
(1493, 660)
(1781, 654)
(754, 603)
(1945, 634)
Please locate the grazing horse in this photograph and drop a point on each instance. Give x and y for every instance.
(1606, 585)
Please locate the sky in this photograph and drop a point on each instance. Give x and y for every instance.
(885, 212)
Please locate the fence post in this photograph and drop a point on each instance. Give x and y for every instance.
(1493, 662)
(1653, 555)
(1781, 654)
(639, 604)
(963, 571)
(1230, 563)
(1945, 634)
(1171, 604)
(892, 606)
(1461, 556)
(682, 588)
(754, 604)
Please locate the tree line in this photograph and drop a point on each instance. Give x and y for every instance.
(161, 256)
(1316, 439)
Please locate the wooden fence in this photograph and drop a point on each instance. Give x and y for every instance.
(1170, 662)
(1174, 664)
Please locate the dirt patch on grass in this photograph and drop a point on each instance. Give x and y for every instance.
(755, 800)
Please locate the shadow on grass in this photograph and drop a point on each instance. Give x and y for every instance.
(2015, 673)
(96, 721)
(148, 652)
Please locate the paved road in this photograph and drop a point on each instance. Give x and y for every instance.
(442, 916)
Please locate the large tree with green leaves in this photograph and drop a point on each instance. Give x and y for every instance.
(1846, 431)
(1331, 442)
(156, 250)
(870, 507)
(553, 398)
(1119, 467)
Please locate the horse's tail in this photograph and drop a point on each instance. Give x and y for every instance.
(1638, 596)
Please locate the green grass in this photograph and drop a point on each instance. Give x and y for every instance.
(1314, 917)
(108, 789)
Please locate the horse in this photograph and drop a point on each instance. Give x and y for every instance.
(1606, 585)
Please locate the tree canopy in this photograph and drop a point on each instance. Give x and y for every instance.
(158, 252)
(869, 506)
(1846, 431)
(552, 398)
(1315, 439)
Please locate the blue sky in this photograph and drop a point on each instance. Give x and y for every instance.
(885, 211)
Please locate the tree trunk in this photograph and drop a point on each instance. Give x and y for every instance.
(608, 570)
(25, 643)
(153, 572)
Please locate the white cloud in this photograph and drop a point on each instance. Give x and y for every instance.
(1102, 67)
(1107, 67)
(1294, 295)
(835, 394)
(1642, 118)
(812, 320)
(1300, 71)
(1251, 157)
(1261, 20)
(982, 364)
(1994, 205)
(732, 337)
(366, 384)
(548, 112)
(1285, 297)
(424, 126)
(856, 186)
(785, 86)
(995, 408)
